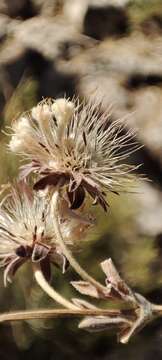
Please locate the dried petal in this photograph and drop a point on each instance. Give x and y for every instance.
(76, 197)
(51, 179)
(11, 269)
(85, 288)
(95, 193)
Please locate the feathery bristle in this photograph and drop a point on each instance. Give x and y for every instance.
(76, 145)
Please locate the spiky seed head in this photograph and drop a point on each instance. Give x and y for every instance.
(76, 146)
(26, 232)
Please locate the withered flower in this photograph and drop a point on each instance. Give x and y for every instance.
(75, 146)
(26, 233)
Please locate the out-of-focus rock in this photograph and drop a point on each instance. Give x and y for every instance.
(148, 118)
(104, 21)
(48, 37)
(17, 8)
(74, 11)
(92, 16)
(149, 214)
(48, 7)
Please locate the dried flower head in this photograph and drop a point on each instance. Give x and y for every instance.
(26, 232)
(76, 146)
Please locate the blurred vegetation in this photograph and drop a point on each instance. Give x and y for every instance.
(140, 10)
(136, 253)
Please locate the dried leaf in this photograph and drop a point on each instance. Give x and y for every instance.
(85, 288)
(110, 271)
(100, 323)
(116, 286)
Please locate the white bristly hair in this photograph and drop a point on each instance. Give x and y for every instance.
(26, 232)
(75, 144)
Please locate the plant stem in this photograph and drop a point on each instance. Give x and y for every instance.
(73, 262)
(157, 310)
(49, 290)
(48, 314)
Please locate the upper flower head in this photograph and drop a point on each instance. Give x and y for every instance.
(26, 232)
(74, 146)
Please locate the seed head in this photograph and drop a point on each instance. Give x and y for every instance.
(75, 146)
(26, 232)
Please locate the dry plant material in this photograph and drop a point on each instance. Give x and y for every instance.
(72, 150)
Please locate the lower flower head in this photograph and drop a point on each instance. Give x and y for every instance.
(26, 232)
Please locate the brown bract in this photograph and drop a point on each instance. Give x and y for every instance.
(36, 253)
(77, 186)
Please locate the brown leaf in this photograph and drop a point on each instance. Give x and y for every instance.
(110, 271)
(115, 282)
(85, 288)
(100, 323)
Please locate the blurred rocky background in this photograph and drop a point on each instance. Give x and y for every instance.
(99, 49)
